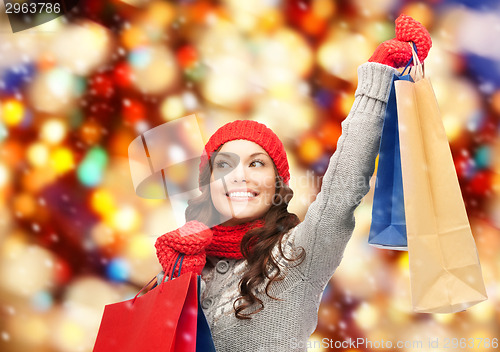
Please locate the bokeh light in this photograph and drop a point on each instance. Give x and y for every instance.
(38, 154)
(62, 160)
(4, 175)
(53, 91)
(81, 48)
(53, 131)
(118, 269)
(154, 69)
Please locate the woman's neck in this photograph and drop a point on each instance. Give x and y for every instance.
(239, 222)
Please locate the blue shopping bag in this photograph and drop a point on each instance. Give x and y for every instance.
(204, 341)
(388, 226)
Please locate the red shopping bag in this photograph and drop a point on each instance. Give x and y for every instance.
(164, 319)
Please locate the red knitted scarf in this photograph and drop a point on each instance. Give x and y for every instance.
(226, 240)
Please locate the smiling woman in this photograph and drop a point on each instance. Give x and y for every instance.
(265, 271)
(242, 185)
(245, 194)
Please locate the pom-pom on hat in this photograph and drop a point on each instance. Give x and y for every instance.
(251, 131)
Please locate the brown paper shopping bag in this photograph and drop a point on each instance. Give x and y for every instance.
(445, 272)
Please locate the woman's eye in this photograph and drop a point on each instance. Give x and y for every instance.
(224, 164)
(258, 161)
(220, 164)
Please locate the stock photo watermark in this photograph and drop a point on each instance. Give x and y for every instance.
(27, 14)
(417, 344)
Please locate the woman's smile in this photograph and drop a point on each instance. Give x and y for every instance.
(243, 182)
(242, 195)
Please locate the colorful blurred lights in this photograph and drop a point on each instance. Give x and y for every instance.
(172, 108)
(28, 262)
(53, 131)
(42, 301)
(483, 157)
(452, 126)
(154, 69)
(187, 56)
(89, 173)
(91, 168)
(38, 154)
(3, 131)
(62, 160)
(341, 56)
(310, 149)
(366, 316)
(139, 247)
(404, 263)
(103, 235)
(69, 335)
(53, 91)
(12, 112)
(4, 175)
(443, 318)
(118, 269)
(60, 82)
(140, 57)
(125, 219)
(103, 202)
(226, 89)
(37, 327)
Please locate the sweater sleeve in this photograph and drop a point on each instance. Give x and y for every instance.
(329, 221)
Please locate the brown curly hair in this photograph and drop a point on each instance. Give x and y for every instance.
(277, 222)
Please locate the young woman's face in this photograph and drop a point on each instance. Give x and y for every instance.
(239, 167)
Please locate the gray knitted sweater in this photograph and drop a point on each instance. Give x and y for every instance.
(327, 227)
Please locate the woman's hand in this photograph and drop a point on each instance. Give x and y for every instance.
(396, 52)
(191, 239)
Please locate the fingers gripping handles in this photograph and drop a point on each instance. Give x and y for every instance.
(181, 257)
(419, 66)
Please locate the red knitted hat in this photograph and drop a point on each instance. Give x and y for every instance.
(251, 131)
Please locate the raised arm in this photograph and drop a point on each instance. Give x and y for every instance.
(329, 221)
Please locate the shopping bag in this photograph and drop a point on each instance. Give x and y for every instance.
(388, 226)
(445, 272)
(204, 341)
(164, 319)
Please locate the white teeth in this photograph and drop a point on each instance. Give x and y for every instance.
(241, 194)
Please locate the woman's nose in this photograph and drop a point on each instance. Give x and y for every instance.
(239, 173)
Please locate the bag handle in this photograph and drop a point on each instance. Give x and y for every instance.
(143, 289)
(419, 66)
(181, 257)
(408, 64)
